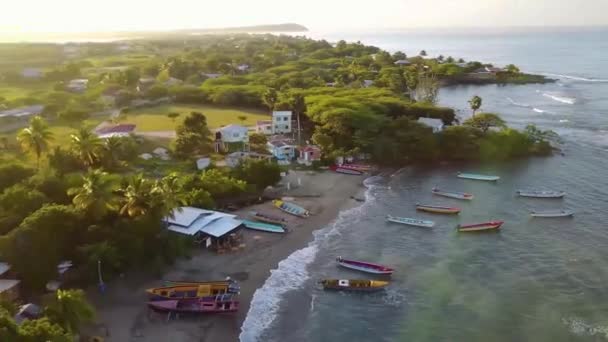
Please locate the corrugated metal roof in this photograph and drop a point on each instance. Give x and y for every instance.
(4, 267)
(7, 284)
(193, 220)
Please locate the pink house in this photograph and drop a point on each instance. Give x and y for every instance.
(308, 154)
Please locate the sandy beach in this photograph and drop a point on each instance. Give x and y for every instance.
(122, 310)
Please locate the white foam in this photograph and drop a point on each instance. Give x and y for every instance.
(577, 78)
(524, 105)
(564, 120)
(291, 274)
(581, 328)
(562, 99)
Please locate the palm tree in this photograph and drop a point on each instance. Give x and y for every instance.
(298, 105)
(35, 138)
(140, 196)
(111, 148)
(270, 98)
(69, 309)
(87, 146)
(95, 196)
(475, 103)
(169, 188)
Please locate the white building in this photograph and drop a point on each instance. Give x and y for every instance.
(435, 124)
(206, 226)
(281, 122)
(403, 62)
(264, 127)
(234, 133)
(78, 85)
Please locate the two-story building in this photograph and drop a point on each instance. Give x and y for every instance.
(281, 122)
(282, 149)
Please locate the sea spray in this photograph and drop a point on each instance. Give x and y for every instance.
(562, 99)
(292, 273)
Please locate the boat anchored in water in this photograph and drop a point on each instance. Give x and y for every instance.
(366, 267)
(362, 285)
(410, 221)
(475, 176)
(552, 213)
(291, 208)
(438, 209)
(456, 195)
(479, 227)
(540, 194)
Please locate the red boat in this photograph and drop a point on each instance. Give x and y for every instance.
(492, 225)
(205, 305)
(366, 267)
(358, 167)
(346, 170)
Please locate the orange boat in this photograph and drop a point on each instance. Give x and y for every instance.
(479, 227)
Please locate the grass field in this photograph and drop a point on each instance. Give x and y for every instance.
(14, 92)
(155, 118)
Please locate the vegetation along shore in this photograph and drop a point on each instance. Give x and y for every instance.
(102, 145)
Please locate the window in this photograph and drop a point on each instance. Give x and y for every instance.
(235, 135)
(276, 126)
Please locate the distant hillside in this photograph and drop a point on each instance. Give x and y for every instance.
(288, 27)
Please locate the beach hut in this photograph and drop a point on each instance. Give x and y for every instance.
(212, 229)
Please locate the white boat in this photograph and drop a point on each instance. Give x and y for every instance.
(476, 176)
(410, 221)
(552, 213)
(456, 195)
(540, 193)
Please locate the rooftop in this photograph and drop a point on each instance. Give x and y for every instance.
(122, 128)
(193, 220)
(234, 128)
(7, 284)
(4, 267)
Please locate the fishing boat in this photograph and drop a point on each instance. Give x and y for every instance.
(192, 290)
(363, 285)
(456, 195)
(346, 170)
(410, 221)
(360, 167)
(438, 209)
(552, 213)
(266, 218)
(366, 267)
(478, 227)
(291, 208)
(207, 305)
(540, 194)
(264, 227)
(475, 176)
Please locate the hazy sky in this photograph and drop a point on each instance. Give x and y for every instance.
(93, 15)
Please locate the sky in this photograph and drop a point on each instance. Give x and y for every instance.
(116, 15)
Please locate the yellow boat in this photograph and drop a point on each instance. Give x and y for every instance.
(291, 208)
(192, 290)
(364, 285)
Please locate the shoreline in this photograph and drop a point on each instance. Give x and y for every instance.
(122, 309)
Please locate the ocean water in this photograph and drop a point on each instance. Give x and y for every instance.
(535, 280)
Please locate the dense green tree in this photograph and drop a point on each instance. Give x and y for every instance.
(9, 331)
(11, 174)
(95, 196)
(20, 200)
(36, 137)
(170, 190)
(460, 143)
(257, 142)
(270, 98)
(220, 185)
(475, 103)
(139, 197)
(69, 309)
(87, 146)
(422, 53)
(399, 55)
(173, 116)
(485, 121)
(511, 68)
(258, 173)
(193, 136)
(42, 329)
(156, 92)
(64, 161)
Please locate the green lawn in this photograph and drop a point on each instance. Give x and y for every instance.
(14, 92)
(155, 118)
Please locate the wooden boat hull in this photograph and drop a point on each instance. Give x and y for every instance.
(365, 267)
(487, 226)
(355, 285)
(541, 194)
(268, 219)
(474, 176)
(456, 195)
(187, 291)
(410, 221)
(263, 227)
(195, 306)
(438, 210)
(291, 208)
(346, 170)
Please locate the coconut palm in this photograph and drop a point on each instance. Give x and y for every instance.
(35, 138)
(111, 150)
(140, 196)
(95, 196)
(475, 103)
(298, 106)
(69, 309)
(87, 146)
(170, 190)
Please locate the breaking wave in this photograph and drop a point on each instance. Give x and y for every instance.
(579, 327)
(577, 78)
(291, 274)
(523, 105)
(562, 99)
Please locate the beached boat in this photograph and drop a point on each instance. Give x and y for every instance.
(410, 221)
(360, 167)
(264, 227)
(346, 170)
(478, 227)
(366, 267)
(456, 195)
(207, 305)
(475, 176)
(552, 213)
(192, 290)
(266, 218)
(540, 194)
(291, 208)
(438, 209)
(363, 285)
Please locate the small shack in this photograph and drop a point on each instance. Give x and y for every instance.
(9, 288)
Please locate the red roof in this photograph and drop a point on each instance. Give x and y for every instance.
(310, 148)
(123, 128)
(264, 122)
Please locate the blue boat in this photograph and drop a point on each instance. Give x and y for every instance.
(264, 227)
(476, 176)
(291, 208)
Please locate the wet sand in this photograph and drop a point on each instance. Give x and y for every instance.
(122, 309)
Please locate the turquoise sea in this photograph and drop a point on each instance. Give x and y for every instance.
(536, 280)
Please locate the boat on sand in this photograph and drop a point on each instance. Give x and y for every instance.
(207, 305)
(366, 267)
(410, 221)
(475, 176)
(552, 213)
(438, 209)
(192, 290)
(267, 218)
(291, 208)
(479, 227)
(264, 227)
(361, 285)
(456, 195)
(346, 170)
